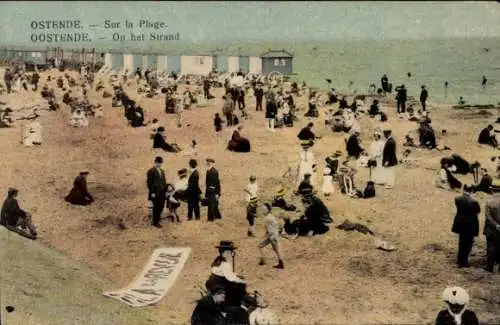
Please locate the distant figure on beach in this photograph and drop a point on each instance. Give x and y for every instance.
(487, 137)
(484, 82)
(445, 89)
(461, 101)
(409, 74)
(401, 99)
(79, 194)
(350, 85)
(424, 94)
(385, 84)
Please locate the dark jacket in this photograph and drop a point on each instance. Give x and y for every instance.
(79, 194)
(402, 95)
(445, 318)
(306, 134)
(492, 210)
(484, 136)
(389, 153)
(207, 312)
(258, 93)
(271, 110)
(11, 212)
(237, 316)
(353, 147)
(159, 141)
(193, 189)
(466, 220)
(424, 95)
(212, 181)
(156, 182)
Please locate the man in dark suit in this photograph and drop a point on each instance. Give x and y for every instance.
(401, 99)
(157, 187)
(424, 94)
(466, 224)
(259, 95)
(193, 191)
(212, 191)
(389, 159)
(492, 232)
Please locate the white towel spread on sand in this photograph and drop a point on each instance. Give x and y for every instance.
(156, 279)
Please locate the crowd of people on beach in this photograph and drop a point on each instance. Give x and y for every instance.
(227, 300)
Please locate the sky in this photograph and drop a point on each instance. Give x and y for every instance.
(209, 22)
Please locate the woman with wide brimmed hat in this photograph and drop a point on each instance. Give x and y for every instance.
(307, 163)
(222, 274)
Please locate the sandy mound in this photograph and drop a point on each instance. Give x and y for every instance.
(46, 287)
(336, 278)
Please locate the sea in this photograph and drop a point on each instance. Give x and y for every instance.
(460, 62)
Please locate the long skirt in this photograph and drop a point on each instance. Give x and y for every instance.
(327, 188)
(305, 167)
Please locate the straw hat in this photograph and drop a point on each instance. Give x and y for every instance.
(281, 192)
(456, 296)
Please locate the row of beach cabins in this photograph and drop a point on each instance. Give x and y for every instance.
(271, 61)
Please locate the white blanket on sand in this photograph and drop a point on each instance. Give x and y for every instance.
(156, 279)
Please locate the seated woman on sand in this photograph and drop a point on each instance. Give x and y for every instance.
(79, 119)
(79, 195)
(135, 116)
(159, 141)
(237, 142)
(33, 133)
(446, 179)
(427, 137)
(486, 137)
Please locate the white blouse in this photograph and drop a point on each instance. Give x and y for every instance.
(226, 270)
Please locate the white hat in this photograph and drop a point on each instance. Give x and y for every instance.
(456, 296)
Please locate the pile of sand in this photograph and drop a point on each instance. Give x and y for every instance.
(336, 278)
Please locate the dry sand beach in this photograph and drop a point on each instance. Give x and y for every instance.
(331, 279)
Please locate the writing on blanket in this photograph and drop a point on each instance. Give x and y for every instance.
(162, 267)
(73, 31)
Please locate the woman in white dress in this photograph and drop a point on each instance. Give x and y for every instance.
(306, 163)
(376, 150)
(327, 188)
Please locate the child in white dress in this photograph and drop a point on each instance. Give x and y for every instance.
(327, 188)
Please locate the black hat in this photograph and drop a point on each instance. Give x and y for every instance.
(160, 129)
(12, 191)
(226, 245)
(210, 160)
(182, 172)
(158, 160)
(217, 289)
